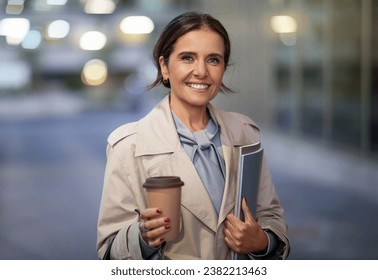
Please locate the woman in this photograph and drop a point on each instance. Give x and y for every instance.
(186, 136)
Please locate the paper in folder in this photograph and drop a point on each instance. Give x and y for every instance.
(250, 160)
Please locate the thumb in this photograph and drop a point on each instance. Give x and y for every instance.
(248, 217)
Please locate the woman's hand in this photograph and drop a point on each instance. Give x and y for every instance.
(244, 237)
(153, 226)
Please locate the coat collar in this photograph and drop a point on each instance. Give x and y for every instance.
(234, 135)
(151, 141)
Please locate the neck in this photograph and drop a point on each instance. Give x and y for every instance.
(194, 118)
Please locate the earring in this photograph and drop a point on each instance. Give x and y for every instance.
(165, 81)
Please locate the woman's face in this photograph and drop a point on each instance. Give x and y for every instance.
(195, 68)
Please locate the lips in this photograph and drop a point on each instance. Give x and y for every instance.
(198, 86)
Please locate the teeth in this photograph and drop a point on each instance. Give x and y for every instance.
(198, 86)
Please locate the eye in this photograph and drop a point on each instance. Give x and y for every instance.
(187, 58)
(214, 60)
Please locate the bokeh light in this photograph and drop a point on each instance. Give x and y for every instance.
(92, 41)
(56, 2)
(14, 29)
(58, 29)
(283, 24)
(137, 25)
(32, 40)
(99, 7)
(95, 72)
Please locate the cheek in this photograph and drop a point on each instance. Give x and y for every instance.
(180, 72)
(218, 75)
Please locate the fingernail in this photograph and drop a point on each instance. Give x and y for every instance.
(161, 239)
(167, 226)
(158, 211)
(166, 220)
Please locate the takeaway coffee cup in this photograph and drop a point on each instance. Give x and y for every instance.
(164, 192)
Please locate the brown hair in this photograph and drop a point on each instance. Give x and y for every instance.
(178, 27)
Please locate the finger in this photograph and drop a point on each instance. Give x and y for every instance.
(155, 223)
(247, 212)
(142, 227)
(155, 234)
(231, 236)
(156, 242)
(227, 230)
(233, 220)
(228, 239)
(228, 243)
(229, 225)
(150, 213)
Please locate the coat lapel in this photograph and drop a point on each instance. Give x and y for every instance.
(194, 195)
(157, 132)
(228, 202)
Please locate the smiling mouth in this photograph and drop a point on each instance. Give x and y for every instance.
(198, 86)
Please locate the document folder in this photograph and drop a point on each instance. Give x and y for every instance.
(250, 160)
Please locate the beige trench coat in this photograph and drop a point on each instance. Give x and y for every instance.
(151, 147)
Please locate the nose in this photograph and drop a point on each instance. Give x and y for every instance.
(200, 69)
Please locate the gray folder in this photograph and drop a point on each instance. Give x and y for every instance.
(250, 160)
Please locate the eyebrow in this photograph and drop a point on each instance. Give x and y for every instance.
(194, 53)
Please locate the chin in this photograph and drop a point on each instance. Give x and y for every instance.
(201, 103)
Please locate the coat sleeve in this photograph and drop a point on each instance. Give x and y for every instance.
(270, 214)
(117, 219)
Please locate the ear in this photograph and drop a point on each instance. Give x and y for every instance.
(163, 68)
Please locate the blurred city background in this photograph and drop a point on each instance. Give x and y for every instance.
(72, 71)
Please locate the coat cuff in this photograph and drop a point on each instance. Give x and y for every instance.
(126, 244)
(272, 246)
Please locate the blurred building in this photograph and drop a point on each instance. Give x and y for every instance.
(307, 68)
